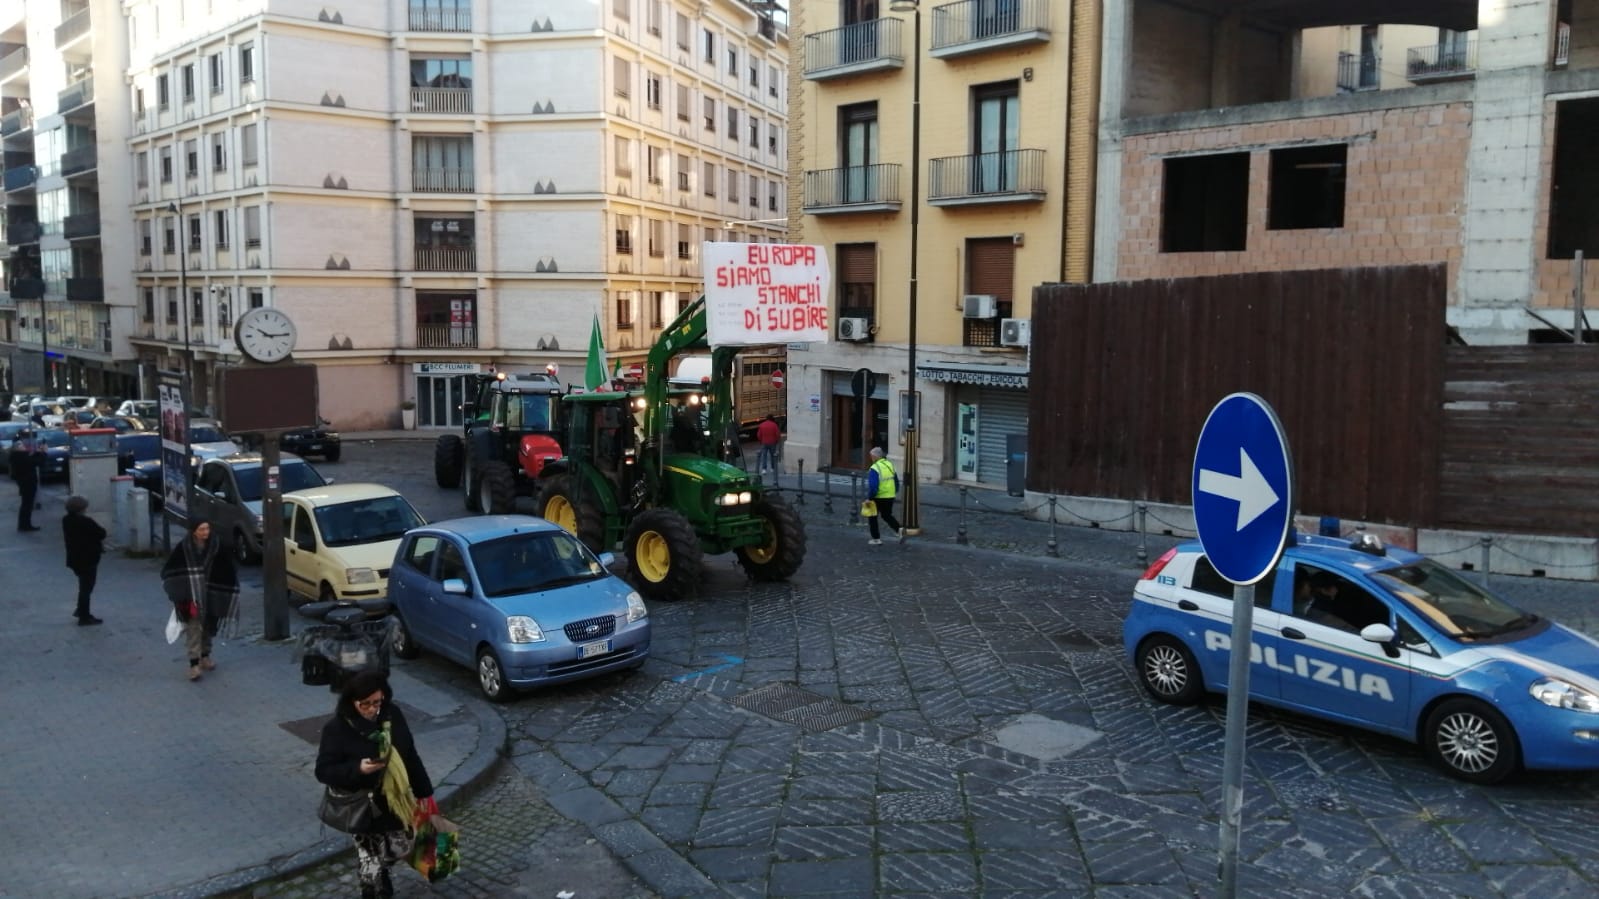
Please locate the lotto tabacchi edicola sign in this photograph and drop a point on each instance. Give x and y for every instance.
(761, 293)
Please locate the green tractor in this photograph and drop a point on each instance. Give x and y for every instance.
(508, 437)
(644, 469)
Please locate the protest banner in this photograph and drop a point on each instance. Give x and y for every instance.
(763, 293)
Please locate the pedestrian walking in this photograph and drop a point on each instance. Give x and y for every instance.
(882, 485)
(85, 542)
(770, 436)
(367, 746)
(200, 580)
(27, 459)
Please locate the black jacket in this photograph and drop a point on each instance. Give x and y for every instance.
(344, 744)
(25, 466)
(83, 536)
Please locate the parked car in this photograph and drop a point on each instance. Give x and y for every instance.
(321, 440)
(8, 435)
(1383, 639)
(49, 413)
(122, 424)
(58, 453)
(228, 491)
(73, 419)
(149, 410)
(517, 599)
(134, 447)
(340, 539)
(209, 442)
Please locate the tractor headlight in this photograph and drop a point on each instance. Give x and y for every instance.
(524, 629)
(734, 499)
(635, 607)
(360, 576)
(1562, 695)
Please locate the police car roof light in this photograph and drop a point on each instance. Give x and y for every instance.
(1158, 564)
(1368, 543)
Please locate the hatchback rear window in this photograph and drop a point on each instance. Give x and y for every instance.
(1207, 580)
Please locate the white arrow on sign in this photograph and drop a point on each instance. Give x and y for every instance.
(1248, 488)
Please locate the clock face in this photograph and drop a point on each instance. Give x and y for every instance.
(265, 335)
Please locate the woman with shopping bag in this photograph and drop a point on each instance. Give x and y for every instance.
(367, 748)
(203, 586)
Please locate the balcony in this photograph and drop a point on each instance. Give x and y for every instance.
(1441, 62)
(16, 121)
(441, 99)
(854, 49)
(977, 26)
(22, 233)
(81, 225)
(1008, 176)
(86, 290)
(20, 178)
(1359, 72)
(438, 19)
(436, 337)
(446, 259)
(13, 64)
(78, 160)
(77, 94)
(856, 188)
(73, 28)
(441, 180)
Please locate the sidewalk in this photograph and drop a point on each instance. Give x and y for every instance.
(134, 781)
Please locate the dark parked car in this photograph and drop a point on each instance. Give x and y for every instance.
(8, 433)
(122, 424)
(136, 447)
(208, 442)
(321, 440)
(58, 452)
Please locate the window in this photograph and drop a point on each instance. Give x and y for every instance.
(710, 179)
(219, 152)
(624, 235)
(622, 9)
(144, 239)
(755, 73)
(657, 238)
(1204, 203)
(246, 62)
(624, 156)
(732, 185)
(1205, 579)
(755, 192)
(771, 80)
(685, 33)
(655, 164)
(996, 138)
(197, 306)
(191, 159)
(732, 61)
(194, 232)
(771, 138)
(685, 241)
(653, 11)
(141, 169)
(621, 77)
(442, 163)
(857, 279)
(252, 226)
(624, 310)
(732, 123)
(710, 46)
(657, 308)
(221, 228)
(710, 114)
(172, 305)
(163, 95)
(1574, 207)
(858, 146)
(138, 102)
(169, 237)
(247, 148)
(188, 83)
(214, 63)
(684, 98)
(652, 90)
(1307, 187)
(257, 298)
(771, 196)
(147, 305)
(755, 132)
(166, 165)
(685, 173)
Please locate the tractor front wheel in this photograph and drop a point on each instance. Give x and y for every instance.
(498, 488)
(782, 547)
(582, 516)
(448, 452)
(664, 555)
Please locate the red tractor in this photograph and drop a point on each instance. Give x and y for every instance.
(509, 436)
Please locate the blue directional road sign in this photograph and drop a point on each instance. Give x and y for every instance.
(1243, 488)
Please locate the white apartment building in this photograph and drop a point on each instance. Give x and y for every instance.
(434, 188)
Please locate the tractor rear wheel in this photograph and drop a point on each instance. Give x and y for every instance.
(664, 555)
(780, 553)
(448, 452)
(497, 488)
(582, 517)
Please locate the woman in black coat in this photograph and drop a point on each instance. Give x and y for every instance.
(200, 580)
(84, 538)
(367, 745)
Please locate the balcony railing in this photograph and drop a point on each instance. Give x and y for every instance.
(441, 99)
(13, 64)
(1441, 62)
(16, 120)
(1359, 72)
(86, 289)
(79, 159)
(76, 94)
(862, 47)
(436, 19)
(22, 176)
(446, 259)
(430, 337)
(73, 27)
(442, 180)
(856, 188)
(972, 26)
(1007, 176)
(22, 233)
(83, 224)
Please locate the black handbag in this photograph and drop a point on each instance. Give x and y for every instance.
(348, 812)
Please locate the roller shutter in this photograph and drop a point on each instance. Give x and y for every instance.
(1000, 412)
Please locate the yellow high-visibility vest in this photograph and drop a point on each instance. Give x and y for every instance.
(886, 488)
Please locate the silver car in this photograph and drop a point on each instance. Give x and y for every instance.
(228, 493)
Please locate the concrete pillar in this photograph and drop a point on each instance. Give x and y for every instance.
(1584, 50)
(1116, 55)
(1224, 58)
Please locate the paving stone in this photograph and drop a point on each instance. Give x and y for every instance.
(799, 842)
(674, 824)
(1499, 842)
(847, 876)
(944, 873)
(920, 805)
(1139, 860)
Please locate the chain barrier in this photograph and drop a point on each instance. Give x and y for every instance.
(960, 523)
(1053, 547)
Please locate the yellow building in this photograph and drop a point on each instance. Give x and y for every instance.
(990, 196)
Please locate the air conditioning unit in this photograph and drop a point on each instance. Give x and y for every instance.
(979, 305)
(852, 329)
(1015, 332)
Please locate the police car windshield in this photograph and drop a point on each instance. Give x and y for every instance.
(1453, 604)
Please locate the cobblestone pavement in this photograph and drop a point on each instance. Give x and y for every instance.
(855, 732)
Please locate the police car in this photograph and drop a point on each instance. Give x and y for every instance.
(1383, 639)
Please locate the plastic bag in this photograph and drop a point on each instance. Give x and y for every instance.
(869, 509)
(436, 853)
(174, 627)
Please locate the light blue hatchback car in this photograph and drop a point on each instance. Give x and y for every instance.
(1383, 639)
(516, 598)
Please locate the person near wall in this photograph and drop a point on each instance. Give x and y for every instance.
(203, 586)
(882, 485)
(770, 436)
(84, 538)
(367, 745)
(27, 460)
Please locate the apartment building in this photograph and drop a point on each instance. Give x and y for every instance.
(990, 196)
(1240, 138)
(66, 292)
(436, 188)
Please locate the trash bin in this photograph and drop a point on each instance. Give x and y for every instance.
(330, 653)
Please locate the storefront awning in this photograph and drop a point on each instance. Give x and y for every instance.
(980, 375)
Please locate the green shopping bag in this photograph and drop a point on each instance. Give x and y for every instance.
(436, 853)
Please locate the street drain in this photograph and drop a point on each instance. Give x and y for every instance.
(790, 704)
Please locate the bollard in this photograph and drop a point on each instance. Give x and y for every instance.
(960, 527)
(1143, 532)
(1487, 543)
(827, 490)
(854, 503)
(799, 498)
(1054, 545)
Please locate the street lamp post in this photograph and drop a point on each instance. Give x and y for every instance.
(912, 520)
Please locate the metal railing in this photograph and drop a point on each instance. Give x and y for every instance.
(441, 19)
(853, 44)
(16, 120)
(75, 95)
(82, 224)
(20, 233)
(92, 289)
(442, 336)
(854, 185)
(1441, 60)
(446, 259)
(13, 63)
(1002, 174)
(967, 21)
(79, 159)
(73, 27)
(442, 180)
(20, 177)
(441, 99)
(1358, 71)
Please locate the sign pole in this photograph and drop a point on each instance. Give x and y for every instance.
(274, 579)
(1232, 767)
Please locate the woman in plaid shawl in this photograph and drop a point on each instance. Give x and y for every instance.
(204, 588)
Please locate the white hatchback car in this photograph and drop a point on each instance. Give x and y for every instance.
(339, 540)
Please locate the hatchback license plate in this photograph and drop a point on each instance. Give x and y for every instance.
(590, 650)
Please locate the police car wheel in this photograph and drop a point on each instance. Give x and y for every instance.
(1168, 671)
(1471, 741)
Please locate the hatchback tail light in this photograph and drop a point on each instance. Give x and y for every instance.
(1159, 563)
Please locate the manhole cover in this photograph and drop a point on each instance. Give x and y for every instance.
(790, 704)
(1043, 738)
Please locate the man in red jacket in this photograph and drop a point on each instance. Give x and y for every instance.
(770, 435)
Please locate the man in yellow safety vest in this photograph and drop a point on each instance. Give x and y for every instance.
(882, 485)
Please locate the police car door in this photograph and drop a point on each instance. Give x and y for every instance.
(1209, 601)
(1329, 670)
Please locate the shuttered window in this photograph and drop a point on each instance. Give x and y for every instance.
(857, 279)
(991, 269)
